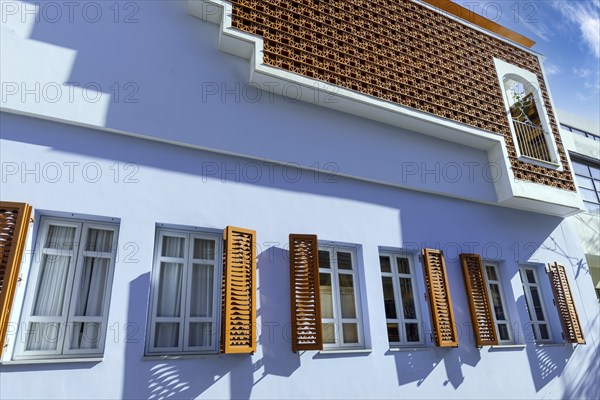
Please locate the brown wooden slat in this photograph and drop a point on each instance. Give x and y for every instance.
(565, 304)
(440, 303)
(305, 293)
(479, 301)
(238, 327)
(14, 223)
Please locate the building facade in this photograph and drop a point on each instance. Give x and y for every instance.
(285, 199)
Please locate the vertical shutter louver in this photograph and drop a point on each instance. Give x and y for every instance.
(14, 223)
(479, 301)
(239, 291)
(565, 304)
(305, 294)
(440, 302)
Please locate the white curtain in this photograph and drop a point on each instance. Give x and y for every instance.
(99, 240)
(169, 293)
(202, 290)
(51, 285)
(92, 287)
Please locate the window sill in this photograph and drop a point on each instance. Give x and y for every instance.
(551, 344)
(344, 351)
(408, 349)
(508, 347)
(540, 163)
(54, 361)
(163, 357)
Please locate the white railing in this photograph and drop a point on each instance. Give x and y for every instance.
(532, 141)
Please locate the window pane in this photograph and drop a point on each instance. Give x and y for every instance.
(412, 332)
(388, 298)
(589, 195)
(595, 172)
(92, 287)
(166, 335)
(200, 334)
(491, 272)
(385, 264)
(99, 240)
(535, 334)
(328, 330)
(592, 208)
(544, 332)
(347, 296)
(202, 291)
(51, 285)
(344, 260)
(326, 296)
(403, 267)
(393, 333)
(324, 259)
(60, 237)
(497, 302)
(204, 249)
(586, 183)
(350, 332)
(529, 310)
(169, 290)
(530, 276)
(408, 302)
(85, 335)
(503, 332)
(581, 169)
(42, 336)
(537, 304)
(172, 246)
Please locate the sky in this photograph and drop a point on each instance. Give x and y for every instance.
(567, 33)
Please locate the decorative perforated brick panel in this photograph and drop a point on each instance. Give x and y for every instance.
(401, 52)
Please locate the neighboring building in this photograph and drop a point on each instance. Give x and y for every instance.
(398, 172)
(582, 140)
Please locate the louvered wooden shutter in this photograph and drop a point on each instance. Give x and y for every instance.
(239, 291)
(565, 304)
(440, 302)
(14, 223)
(305, 294)
(479, 301)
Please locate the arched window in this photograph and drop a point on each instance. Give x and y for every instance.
(528, 118)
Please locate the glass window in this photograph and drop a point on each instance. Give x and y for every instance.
(185, 279)
(340, 300)
(66, 310)
(535, 304)
(587, 177)
(496, 295)
(400, 300)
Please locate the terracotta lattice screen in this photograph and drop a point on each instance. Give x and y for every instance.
(304, 291)
(440, 303)
(564, 303)
(479, 301)
(402, 52)
(14, 223)
(239, 291)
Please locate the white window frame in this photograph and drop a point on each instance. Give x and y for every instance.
(401, 321)
(185, 319)
(535, 324)
(67, 319)
(498, 282)
(503, 70)
(337, 320)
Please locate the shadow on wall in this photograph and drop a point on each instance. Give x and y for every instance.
(274, 314)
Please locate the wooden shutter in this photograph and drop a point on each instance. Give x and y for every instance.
(305, 293)
(239, 291)
(565, 304)
(440, 302)
(14, 223)
(479, 301)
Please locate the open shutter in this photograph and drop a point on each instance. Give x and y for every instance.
(565, 304)
(305, 294)
(239, 291)
(479, 301)
(14, 222)
(440, 302)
